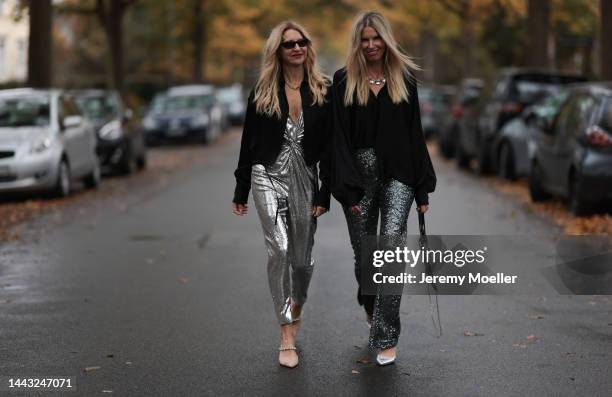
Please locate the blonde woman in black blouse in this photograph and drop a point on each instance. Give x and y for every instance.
(381, 162)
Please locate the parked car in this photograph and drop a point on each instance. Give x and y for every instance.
(435, 102)
(573, 155)
(512, 91)
(45, 142)
(184, 112)
(121, 143)
(466, 95)
(518, 135)
(232, 100)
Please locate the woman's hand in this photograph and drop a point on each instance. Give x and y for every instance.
(240, 209)
(423, 208)
(318, 211)
(355, 210)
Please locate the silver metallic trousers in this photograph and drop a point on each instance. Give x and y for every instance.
(283, 194)
(390, 201)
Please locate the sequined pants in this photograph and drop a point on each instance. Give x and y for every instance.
(289, 234)
(389, 200)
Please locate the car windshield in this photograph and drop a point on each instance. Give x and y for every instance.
(229, 95)
(182, 102)
(24, 111)
(531, 91)
(606, 115)
(98, 107)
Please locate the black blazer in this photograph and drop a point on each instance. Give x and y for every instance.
(262, 138)
(399, 143)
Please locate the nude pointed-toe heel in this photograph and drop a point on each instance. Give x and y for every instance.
(288, 362)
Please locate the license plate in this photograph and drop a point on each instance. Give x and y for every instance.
(4, 170)
(176, 131)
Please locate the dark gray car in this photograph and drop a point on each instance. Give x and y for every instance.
(516, 140)
(121, 144)
(573, 156)
(511, 92)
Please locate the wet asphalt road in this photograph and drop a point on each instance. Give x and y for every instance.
(165, 291)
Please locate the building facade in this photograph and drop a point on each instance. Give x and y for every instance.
(14, 34)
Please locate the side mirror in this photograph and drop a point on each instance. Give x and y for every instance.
(529, 116)
(544, 125)
(128, 114)
(72, 121)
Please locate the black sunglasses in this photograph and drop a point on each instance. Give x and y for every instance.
(287, 45)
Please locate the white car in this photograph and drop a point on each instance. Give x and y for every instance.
(45, 143)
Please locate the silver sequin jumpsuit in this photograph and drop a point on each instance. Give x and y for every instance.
(283, 194)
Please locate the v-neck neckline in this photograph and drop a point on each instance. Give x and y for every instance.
(298, 119)
(376, 95)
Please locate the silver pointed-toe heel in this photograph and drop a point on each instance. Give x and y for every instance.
(384, 360)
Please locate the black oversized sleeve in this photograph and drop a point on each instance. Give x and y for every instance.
(324, 194)
(243, 171)
(425, 175)
(346, 181)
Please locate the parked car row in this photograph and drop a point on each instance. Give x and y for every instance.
(198, 113)
(52, 138)
(556, 129)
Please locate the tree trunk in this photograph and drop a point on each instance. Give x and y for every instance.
(40, 44)
(198, 41)
(604, 40)
(110, 13)
(538, 27)
(427, 52)
(468, 36)
(114, 31)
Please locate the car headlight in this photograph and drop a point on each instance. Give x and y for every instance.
(200, 121)
(111, 130)
(41, 144)
(149, 123)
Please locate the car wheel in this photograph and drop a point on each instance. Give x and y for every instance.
(463, 161)
(482, 161)
(128, 163)
(92, 180)
(445, 147)
(575, 203)
(506, 162)
(62, 185)
(536, 191)
(141, 161)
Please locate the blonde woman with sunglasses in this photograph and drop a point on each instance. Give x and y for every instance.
(285, 135)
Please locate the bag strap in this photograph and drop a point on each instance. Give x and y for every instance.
(433, 303)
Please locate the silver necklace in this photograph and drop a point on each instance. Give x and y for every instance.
(380, 81)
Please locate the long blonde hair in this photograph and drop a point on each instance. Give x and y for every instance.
(396, 64)
(266, 90)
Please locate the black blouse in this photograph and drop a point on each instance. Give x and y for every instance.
(364, 122)
(393, 130)
(262, 138)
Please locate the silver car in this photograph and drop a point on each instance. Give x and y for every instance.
(45, 143)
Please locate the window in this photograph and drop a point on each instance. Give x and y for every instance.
(24, 111)
(578, 118)
(2, 56)
(21, 53)
(66, 107)
(560, 123)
